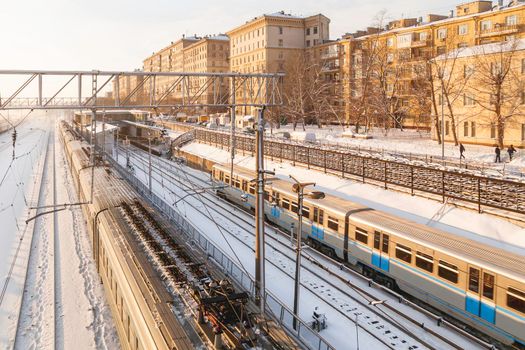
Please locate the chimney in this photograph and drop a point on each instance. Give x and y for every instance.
(500, 3)
(183, 35)
(420, 20)
(451, 14)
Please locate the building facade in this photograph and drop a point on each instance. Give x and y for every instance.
(487, 100)
(404, 50)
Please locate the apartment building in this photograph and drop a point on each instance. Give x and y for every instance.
(269, 42)
(209, 54)
(409, 44)
(124, 86)
(487, 94)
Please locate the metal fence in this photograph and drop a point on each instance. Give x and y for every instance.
(274, 307)
(484, 191)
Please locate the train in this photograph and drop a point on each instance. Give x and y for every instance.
(480, 285)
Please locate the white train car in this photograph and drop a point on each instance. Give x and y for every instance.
(480, 285)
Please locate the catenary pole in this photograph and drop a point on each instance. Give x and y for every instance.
(259, 213)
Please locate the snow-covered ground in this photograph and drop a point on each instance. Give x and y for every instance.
(481, 227)
(406, 141)
(237, 240)
(52, 298)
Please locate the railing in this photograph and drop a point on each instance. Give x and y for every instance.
(431, 179)
(274, 307)
(499, 29)
(181, 140)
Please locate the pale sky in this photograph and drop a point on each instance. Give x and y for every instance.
(119, 34)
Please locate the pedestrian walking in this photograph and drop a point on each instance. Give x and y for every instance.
(461, 151)
(511, 150)
(498, 152)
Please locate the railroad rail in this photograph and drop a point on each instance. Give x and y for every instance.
(278, 243)
(483, 191)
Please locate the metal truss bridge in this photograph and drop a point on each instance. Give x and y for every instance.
(74, 90)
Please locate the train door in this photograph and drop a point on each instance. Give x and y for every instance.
(274, 205)
(318, 224)
(380, 253)
(481, 294)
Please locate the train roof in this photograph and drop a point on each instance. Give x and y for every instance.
(496, 259)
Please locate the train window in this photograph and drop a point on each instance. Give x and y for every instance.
(275, 196)
(295, 207)
(448, 271)
(252, 189)
(266, 195)
(404, 253)
(377, 240)
(488, 285)
(319, 215)
(516, 299)
(227, 179)
(244, 185)
(473, 280)
(221, 176)
(386, 240)
(333, 223)
(285, 203)
(306, 212)
(424, 261)
(361, 235)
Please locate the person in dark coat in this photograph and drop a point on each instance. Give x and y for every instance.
(461, 151)
(498, 152)
(511, 150)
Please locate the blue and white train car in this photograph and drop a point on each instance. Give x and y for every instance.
(481, 285)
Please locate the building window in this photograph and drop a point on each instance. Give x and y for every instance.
(448, 271)
(473, 129)
(447, 127)
(463, 29)
(522, 132)
(307, 43)
(315, 30)
(390, 42)
(307, 31)
(492, 130)
(511, 20)
(442, 34)
(280, 30)
(404, 253)
(281, 42)
(440, 50)
(423, 36)
(523, 66)
(468, 100)
(516, 299)
(361, 235)
(485, 25)
(465, 128)
(424, 261)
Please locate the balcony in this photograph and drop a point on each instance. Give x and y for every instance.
(500, 29)
(420, 43)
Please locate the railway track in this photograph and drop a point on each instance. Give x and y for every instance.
(416, 177)
(35, 254)
(352, 301)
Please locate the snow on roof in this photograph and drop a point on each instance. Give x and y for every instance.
(425, 25)
(102, 127)
(282, 14)
(485, 49)
(219, 37)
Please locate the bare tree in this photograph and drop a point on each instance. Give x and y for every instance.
(497, 86)
(449, 77)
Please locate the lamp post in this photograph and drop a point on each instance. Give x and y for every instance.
(298, 188)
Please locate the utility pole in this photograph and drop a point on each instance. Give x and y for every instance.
(442, 122)
(116, 145)
(232, 124)
(93, 141)
(149, 160)
(259, 213)
(298, 187)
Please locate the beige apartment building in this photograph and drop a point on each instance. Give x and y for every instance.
(209, 54)
(407, 47)
(269, 42)
(488, 94)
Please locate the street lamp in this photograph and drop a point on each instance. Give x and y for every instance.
(298, 187)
